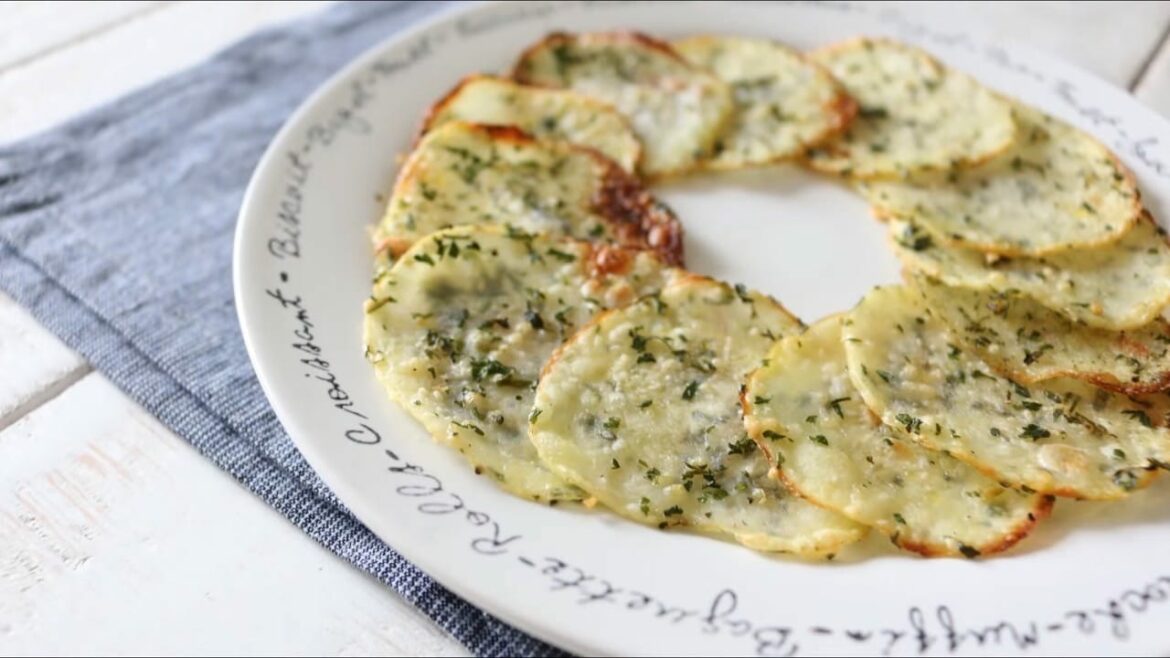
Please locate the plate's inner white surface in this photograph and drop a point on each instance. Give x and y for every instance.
(805, 239)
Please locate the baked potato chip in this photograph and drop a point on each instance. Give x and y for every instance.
(641, 410)
(1030, 342)
(460, 326)
(677, 110)
(915, 115)
(463, 173)
(1061, 436)
(1056, 189)
(1123, 285)
(802, 410)
(540, 112)
(784, 103)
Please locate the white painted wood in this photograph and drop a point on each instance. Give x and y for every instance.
(1154, 87)
(117, 537)
(34, 364)
(1111, 39)
(32, 29)
(51, 88)
(160, 551)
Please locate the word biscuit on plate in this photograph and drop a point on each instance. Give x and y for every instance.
(915, 115)
(462, 173)
(459, 328)
(1060, 437)
(677, 110)
(1029, 342)
(641, 410)
(1056, 189)
(784, 103)
(802, 410)
(540, 112)
(1122, 285)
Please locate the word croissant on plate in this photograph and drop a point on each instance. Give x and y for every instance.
(531, 308)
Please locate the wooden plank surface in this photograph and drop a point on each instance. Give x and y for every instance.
(33, 29)
(107, 65)
(115, 536)
(1111, 39)
(1154, 87)
(34, 365)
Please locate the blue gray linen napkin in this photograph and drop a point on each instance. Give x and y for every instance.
(116, 233)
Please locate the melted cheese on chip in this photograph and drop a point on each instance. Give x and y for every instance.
(1061, 437)
(1056, 189)
(784, 103)
(459, 328)
(641, 410)
(677, 110)
(802, 409)
(1123, 285)
(542, 113)
(462, 173)
(915, 115)
(1029, 342)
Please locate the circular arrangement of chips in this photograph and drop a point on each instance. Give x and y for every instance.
(530, 307)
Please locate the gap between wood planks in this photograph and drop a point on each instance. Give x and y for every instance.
(45, 395)
(1140, 77)
(84, 35)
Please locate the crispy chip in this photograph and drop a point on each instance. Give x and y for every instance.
(462, 173)
(784, 103)
(1124, 285)
(1056, 189)
(641, 410)
(542, 113)
(1061, 437)
(1029, 342)
(459, 328)
(676, 109)
(802, 409)
(915, 115)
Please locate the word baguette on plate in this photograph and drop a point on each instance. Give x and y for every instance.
(542, 113)
(459, 328)
(1123, 285)
(915, 115)
(677, 110)
(1028, 342)
(462, 173)
(784, 103)
(1061, 436)
(803, 411)
(641, 410)
(1056, 189)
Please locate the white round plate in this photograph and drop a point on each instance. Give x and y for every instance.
(1095, 579)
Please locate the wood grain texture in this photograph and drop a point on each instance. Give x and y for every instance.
(1111, 39)
(109, 64)
(33, 29)
(117, 537)
(1154, 87)
(34, 364)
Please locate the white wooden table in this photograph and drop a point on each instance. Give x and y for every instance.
(115, 535)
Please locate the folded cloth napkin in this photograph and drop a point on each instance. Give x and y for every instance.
(116, 233)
